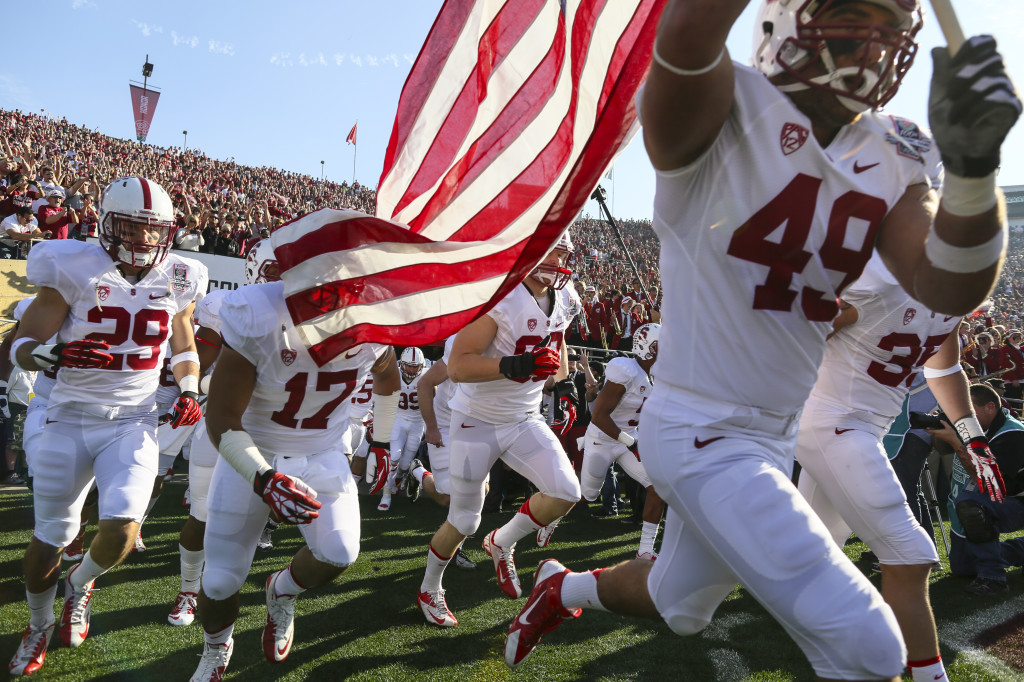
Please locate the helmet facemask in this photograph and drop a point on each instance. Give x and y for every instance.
(813, 45)
(261, 265)
(140, 242)
(551, 275)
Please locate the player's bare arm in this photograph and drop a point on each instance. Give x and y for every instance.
(231, 388)
(431, 379)
(901, 243)
(951, 389)
(691, 38)
(43, 318)
(467, 363)
(607, 400)
(182, 341)
(386, 377)
(208, 344)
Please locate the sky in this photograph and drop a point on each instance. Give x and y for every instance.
(281, 84)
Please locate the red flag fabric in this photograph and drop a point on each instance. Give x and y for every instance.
(351, 139)
(511, 114)
(143, 108)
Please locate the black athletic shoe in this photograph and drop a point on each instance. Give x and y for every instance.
(987, 586)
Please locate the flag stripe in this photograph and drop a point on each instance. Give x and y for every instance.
(511, 113)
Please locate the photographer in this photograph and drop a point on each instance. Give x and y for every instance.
(189, 238)
(976, 520)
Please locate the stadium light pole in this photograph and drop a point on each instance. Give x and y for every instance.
(185, 144)
(321, 170)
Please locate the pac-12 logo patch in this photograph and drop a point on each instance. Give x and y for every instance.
(793, 137)
(102, 291)
(531, 324)
(288, 356)
(179, 277)
(909, 315)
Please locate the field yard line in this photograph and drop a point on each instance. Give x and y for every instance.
(728, 663)
(958, 634)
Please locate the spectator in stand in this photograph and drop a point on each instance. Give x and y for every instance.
(53, 217)
(47, 183)
(1012, 359)
(189, 238)
(19, 194)
(17, 230)
(224, 244)
(629, 320)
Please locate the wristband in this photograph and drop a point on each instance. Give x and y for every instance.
(184, 356)
(625, 439)
(385, 407)
(242, 454)
(671, 68)
(965, 259)
(930, 373)
(969, 196)
(968, 428)
(14, 353)
(188, 383)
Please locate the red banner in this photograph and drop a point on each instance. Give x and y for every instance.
(143, 107)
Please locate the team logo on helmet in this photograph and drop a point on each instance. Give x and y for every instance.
(288, 356)
(102, 291)
(909, 315)
(792, 138)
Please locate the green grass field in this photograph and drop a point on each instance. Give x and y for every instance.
(366, 625)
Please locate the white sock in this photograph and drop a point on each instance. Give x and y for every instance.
(521, 525)
(648, 534)
(419, 473)
(285, 584)
(579, 590)
(220, 638)
(85, 572)
(435, 570)
(191, 568)
(41, 606)
(930, 670)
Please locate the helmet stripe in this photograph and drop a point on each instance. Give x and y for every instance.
(147, 197)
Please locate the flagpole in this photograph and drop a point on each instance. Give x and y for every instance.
(355, 151)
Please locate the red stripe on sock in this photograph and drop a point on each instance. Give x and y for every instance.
(596, 573)
(292, 573)
(925, 663)
(525, 509)
(442, 558)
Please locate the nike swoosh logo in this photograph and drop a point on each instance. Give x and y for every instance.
(437, 620)
(468, 427)
(281, 651)
(857, 168)
(350, 354)
(51, 421)
(840, 431)
(153, 298)
(698, 443)
(524, 616)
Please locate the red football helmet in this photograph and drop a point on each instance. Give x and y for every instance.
(803, 37)
(136, 222)
(552, 275)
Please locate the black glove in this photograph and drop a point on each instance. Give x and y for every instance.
(971, 107)
(539, 362)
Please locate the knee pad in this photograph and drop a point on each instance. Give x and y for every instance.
(57, 533)
(877, 646)
(219, 584)
(979, 526)
(682, 624)
(336, 554)
(464, 519)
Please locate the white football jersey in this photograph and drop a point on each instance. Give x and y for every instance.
(43, 382)
(444, 392)
(629, 373)
(760, 235)
(362, 401)
(871, 364)
(409, 399)
(296, 406)
(134, 318)
(522, 325)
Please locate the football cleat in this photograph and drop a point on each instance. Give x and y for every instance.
(74, 619)
(504, 566)
(463, 561)
(214, 662)
(649, 556)
(32, 651)
(76, 550)
(385, 502)
(544, 534)
(139, 547)
(435, 608)
(184, 610)
(280, 627)
(413, 488)
(542, 614)
(265, 542)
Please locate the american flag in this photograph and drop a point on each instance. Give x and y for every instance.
(511, 114)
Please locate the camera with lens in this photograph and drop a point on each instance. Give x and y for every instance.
(923, 420)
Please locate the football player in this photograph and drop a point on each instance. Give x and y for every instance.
(500, 363)
(883, 338)
(279, 421)
(112, 306)
(627, 386)
(407, 432)
(825, 179)
(260, 266)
